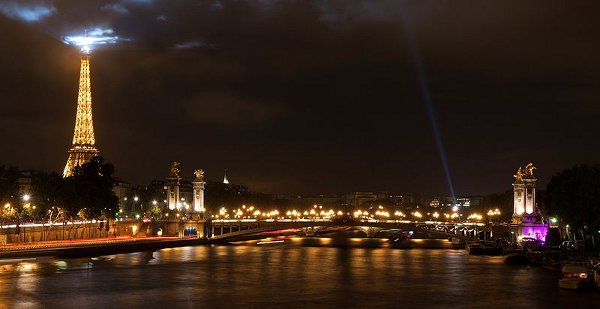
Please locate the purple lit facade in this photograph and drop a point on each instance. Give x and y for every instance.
(537, 232)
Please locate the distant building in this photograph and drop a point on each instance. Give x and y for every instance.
(357, 199)
(461, 202)
(122, 190)
(304, 201)
(353, 200)
(406, 199)
(186, 191)
(468, 201)
(442, 202)
(24, 182)
(225, 180)
(158, 186)
(435, 202)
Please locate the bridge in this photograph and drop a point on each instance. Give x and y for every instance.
(220, 231)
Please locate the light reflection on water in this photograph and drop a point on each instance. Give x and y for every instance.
(296, 273)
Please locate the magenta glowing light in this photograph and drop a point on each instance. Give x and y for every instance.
(537, 232)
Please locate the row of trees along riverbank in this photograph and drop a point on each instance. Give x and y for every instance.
(85, 196)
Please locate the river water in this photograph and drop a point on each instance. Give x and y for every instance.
(295, 273)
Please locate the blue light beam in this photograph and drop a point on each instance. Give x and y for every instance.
(426, 98)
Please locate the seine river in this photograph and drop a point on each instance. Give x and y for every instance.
(295, 273)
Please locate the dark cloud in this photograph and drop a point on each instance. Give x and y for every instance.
(190, 44)
(116, 7)
(228, 109)
(310, 96)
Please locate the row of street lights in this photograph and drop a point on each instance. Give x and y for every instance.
(315, 213)
(380, 213)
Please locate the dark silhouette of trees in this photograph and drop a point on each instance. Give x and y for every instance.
(88, 193)
(45, 189)
(501, 201)
(574, 196)
(9, 184)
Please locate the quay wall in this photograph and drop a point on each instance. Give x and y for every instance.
(60, 232)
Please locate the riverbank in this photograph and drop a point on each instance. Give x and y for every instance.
(95, 247)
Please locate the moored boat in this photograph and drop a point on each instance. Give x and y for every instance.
(576, 276)
(457, 243)
(474, 248)
(483, 248)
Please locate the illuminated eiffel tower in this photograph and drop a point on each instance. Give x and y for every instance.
(84, 144)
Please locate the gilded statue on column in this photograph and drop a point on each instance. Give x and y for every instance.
(529, 169)
(519, 175)
(199, 174)
(175, 169)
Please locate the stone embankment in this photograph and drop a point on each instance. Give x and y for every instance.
(94, 247)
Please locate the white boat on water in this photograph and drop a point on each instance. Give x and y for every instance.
(576, 276)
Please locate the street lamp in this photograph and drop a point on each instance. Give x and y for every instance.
(135, 200)
(26, 198)
(417, 214)
(493, 214)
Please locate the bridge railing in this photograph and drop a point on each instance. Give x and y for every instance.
(222, 227)
(466, 223)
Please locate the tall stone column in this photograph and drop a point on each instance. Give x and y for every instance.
(172, 187)
(198, 184)
(524, 193)
(519, 197)
(530, 195)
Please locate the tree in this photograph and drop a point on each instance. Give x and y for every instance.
(46, 188)
(9, 184)
(156, 213)
(89, 190)
(9, 193)
(147, 196)
(574, 196)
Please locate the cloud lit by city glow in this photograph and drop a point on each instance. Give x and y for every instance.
(27, 12)
(96, 36)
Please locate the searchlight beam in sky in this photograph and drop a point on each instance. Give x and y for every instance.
(428, 101)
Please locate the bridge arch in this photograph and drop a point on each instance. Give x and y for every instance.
(443, 229)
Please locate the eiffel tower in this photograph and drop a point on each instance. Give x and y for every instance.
(84, 144)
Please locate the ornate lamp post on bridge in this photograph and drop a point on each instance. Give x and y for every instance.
(493, 215)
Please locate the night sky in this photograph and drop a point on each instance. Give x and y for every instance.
(309, 96)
